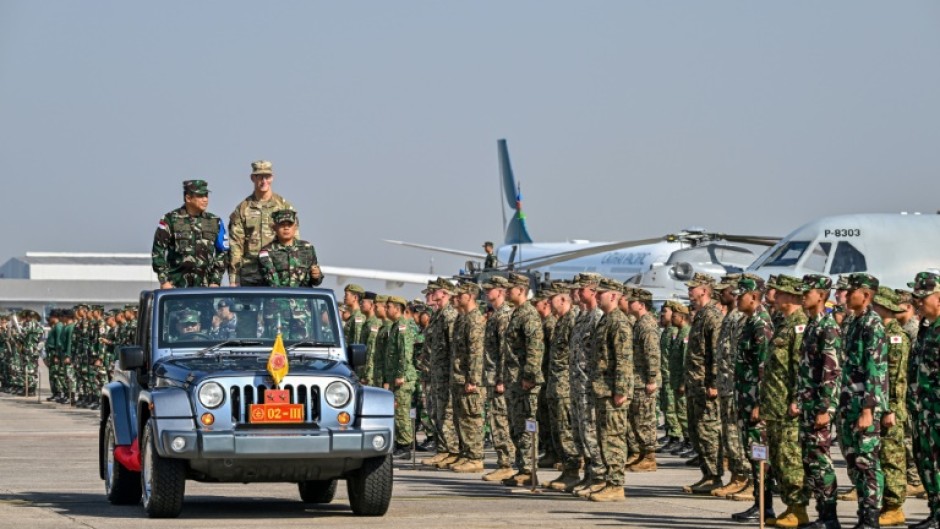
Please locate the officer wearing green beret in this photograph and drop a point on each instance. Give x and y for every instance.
(288, 261)
(187, 248)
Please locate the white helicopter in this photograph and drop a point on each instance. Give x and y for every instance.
(893, 247)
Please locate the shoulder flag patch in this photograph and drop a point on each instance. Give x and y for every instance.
(799, 329)
(685, 340)
(263, 253)
(162, 225)
(402, 327)
(896, 339)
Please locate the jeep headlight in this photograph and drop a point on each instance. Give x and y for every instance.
(338, 394)
(211, 395)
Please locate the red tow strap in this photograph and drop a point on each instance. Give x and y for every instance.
(128, 456)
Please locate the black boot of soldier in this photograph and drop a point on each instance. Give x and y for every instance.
(932, 522)
(868, 519)
(828, 519)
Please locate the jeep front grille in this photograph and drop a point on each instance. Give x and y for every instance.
(242, 397)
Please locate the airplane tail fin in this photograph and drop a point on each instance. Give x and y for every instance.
(516, 231)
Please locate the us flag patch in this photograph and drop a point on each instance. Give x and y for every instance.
(896, 339)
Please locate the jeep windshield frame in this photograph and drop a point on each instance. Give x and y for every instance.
(187, 321)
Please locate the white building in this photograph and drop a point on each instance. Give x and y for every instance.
(43, 280)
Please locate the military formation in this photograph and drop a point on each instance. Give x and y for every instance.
(751, 375)
(78, 348)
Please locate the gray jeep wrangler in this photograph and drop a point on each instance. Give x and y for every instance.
(193, 399)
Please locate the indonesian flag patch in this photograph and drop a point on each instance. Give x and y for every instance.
(263, 253)
(162, 225)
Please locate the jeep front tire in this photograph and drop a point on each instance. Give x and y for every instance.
(317, 491)
(163, 479)
(370, 486)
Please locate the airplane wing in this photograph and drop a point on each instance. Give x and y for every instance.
(464, 253)
(392, 279)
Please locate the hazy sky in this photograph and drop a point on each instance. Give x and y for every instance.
(624, 119)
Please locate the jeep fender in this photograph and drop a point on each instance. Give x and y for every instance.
(121, 412)
(376, 402)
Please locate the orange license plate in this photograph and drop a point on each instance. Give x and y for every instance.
(276, 413)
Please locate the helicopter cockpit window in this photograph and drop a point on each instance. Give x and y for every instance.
(816, 260)
(788, 254)
(847, 259)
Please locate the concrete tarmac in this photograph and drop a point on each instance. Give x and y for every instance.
(49, 480)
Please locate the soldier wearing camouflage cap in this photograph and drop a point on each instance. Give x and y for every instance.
(547, 434)
(524, 347)
(893, 456)
(732, 445)
(466, 379)
(864, 397)
(188, 245)
(778, 400)
(752, 351)
(352, 297)
(585, 332)
(494, 362)
(400, 373)
(288, 261)
(558, 387)
(646, 369)
(251, 226)
(817, 393)
(923, 398)
(701, 382)
(439, 344)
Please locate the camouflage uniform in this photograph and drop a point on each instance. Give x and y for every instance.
(558, 389)
(467, 368)
(30, 338)
(288, 265)
(893, 456)
(548, 433)
(251, 229)
(523, 349)
(732, 443)
(439, 343)
(400, 365)
(923, 398)
(184, 250)
(817, 392)
(701, 372)
(380, 357)
(646, 370)
(370, 331)
(776, 394)
(677, 353)
(584, 414)
(494, 362)
(612, 374)
(753, 346)
(864, 386)
(667, 398)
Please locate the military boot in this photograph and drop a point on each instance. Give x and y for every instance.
(431, 461)
(499, 474)
(668, 446)
(688, 488)
(595, 485)
(469, 466)
(695, 461)
(707, 485)
(932, 522)
(682, 446)
(548, 460)
(828, 519)
(585, 481)
(645, 464)
(892, 515)
(737, 484)
(914, 490)
(795, 516)
(868, 519)
(568, 477)
(447, 461)
(753, 514)
(521, 479)
(632, 458)
(608, 493)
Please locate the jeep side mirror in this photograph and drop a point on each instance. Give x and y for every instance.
(131, 357)
(356, 354)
